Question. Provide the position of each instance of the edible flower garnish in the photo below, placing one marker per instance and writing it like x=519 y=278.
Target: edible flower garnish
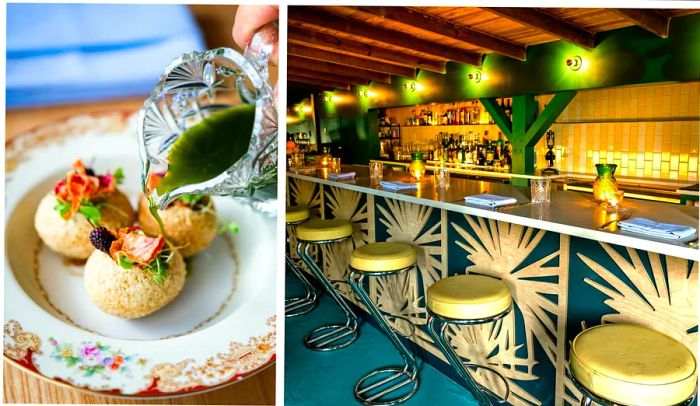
x=81 y=189
x=134 y=249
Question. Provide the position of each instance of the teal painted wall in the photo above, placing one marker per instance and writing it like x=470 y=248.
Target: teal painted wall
x=621 y=57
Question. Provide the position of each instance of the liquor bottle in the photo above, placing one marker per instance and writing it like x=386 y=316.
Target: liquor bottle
x=508 y=155
x=509 y=110
x=476 y=113
x=445 y=118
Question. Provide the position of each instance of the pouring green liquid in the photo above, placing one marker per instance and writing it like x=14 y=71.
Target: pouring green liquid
x=205 y=150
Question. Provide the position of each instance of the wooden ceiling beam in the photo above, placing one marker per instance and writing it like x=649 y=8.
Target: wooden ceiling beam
x=361 y=29
x=353 y=61
x=317 y=83
x=333 y=77
x=322 y=67
x=546 y=23
x=333 y=43
x=437 y=25
x=649 y=20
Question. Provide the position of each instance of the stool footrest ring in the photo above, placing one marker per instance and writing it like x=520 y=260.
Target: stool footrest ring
x=388 y=381
x=330 y=337
x=296 y=306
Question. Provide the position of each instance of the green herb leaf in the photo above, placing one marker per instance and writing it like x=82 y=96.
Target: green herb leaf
x=158 y=268
x=91 y=212
x=62 y=207
x=125 y=262
x=118 y=176
x=208 y=148
x=232 y=227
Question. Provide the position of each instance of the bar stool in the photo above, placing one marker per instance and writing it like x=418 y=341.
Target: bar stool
x=296 y=306
x=320 y=232
x=467 y=300
x=629 y=364
x=374 y=260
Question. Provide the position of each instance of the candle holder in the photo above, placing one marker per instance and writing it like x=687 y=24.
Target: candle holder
x=376 y=170
x=605 y=184
x=417 y=166
x=442 y=177
x=540 y=190
x=612 y=201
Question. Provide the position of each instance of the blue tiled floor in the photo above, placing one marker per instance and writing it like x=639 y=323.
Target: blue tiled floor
x=328 y=378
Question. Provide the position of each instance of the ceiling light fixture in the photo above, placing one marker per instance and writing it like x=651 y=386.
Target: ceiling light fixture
x=574 y=63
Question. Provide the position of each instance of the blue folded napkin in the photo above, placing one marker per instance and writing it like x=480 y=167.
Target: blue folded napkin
x=398 y=185
x=340 y=176
x=645 y=226
x=490 y=200
x=59 y=53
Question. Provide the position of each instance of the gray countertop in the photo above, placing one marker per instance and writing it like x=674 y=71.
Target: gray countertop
x=570 y=213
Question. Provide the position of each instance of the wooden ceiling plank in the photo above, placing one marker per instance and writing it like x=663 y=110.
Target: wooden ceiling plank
x=546 y=23
x=395 y=38
x=318 y=39
x=323 y=67
x=317 y=82
x=443 y=27
x=342 y=59
x=647 y=19
x=334 y=77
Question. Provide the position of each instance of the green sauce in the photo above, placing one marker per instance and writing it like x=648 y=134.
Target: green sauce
x=209 y=148
x=153 y=208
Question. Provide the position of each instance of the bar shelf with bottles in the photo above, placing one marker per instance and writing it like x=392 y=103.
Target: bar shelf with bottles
x=460 y=133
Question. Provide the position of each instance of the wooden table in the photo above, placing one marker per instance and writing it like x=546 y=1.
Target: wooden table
x=20 y=387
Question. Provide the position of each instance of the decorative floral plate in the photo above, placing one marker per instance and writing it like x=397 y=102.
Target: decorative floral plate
x=220 y=329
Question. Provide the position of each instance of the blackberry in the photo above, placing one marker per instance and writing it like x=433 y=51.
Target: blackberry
x=101 y=238
x=89 y=172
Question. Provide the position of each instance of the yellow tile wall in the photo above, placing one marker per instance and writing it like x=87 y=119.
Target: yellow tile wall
x=648 y=131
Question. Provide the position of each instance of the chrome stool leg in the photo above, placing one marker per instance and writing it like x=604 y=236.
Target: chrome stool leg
x=296 y=306
x=390 y=379
x=481 y=394
x=331 y=336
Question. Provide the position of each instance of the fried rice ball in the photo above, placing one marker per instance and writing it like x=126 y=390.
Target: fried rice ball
x=71 y=238
x=130 y=293
x=191 y=231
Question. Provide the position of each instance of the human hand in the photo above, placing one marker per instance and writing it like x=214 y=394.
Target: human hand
x=249 y=19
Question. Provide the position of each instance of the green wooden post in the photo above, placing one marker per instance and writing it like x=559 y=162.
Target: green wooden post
x=524 y=114
x=527 y=128
x=499 y=116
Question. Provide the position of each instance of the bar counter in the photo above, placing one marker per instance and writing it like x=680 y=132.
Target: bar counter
x=564 y=274
x=571 y=213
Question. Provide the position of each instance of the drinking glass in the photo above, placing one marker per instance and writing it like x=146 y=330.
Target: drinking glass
x=442 y=177
x=540 y=190
x=334 y=165
x=297 y=159
x=197 y=85
x=376 y=170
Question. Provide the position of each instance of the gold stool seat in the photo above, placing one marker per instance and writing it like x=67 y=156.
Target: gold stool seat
x=633 y=365
x=468 y=297
x=324 y=230
x=383 y=257
x=295 y=214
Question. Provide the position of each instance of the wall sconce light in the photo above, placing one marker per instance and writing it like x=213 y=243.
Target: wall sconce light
x=297 y=108
x=410 y=86
x=364 y=93
x=326 y=98
x=574 y=63
x=475 y=76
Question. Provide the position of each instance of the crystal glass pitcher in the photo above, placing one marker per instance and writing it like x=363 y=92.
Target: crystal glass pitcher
x=192 y=88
